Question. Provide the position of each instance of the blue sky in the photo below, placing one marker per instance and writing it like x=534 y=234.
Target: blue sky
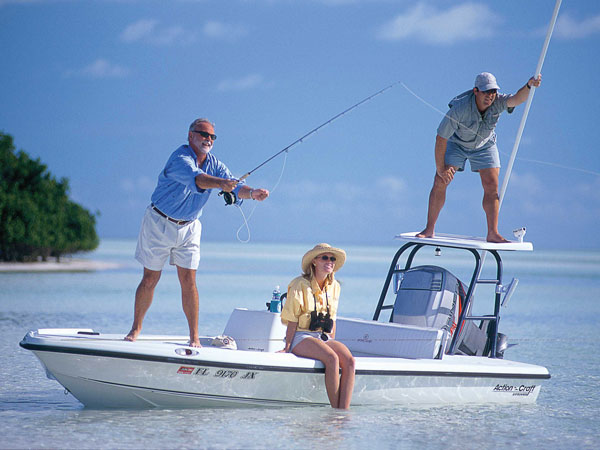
x=104 y=90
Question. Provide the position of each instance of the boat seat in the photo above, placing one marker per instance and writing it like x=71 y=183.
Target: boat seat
x=473 y=340
x=259 y=331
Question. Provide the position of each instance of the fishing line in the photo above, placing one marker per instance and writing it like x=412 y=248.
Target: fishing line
x=230 y=198
x=429 y=104
x=560 y=166
x=246 y=220
x=314 y=130
x=237 y=235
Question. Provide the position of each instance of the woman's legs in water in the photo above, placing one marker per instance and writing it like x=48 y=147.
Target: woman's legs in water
x=347 y=379
x=333 y=355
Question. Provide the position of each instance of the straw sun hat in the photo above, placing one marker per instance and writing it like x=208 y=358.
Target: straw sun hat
x=319 y=249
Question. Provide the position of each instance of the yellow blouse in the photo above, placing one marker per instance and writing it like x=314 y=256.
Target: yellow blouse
x=300 y=301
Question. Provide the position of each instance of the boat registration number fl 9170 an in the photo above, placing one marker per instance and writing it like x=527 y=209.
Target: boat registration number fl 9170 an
x=217 y=373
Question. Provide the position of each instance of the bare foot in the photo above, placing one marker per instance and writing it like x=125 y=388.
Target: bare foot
x=195 y=344
x=496 y=237
x=425 y=234
x=132 y=336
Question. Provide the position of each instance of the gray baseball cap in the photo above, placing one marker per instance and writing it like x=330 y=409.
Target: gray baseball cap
x=486 y=81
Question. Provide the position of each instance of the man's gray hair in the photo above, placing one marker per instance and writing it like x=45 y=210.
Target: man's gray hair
x=201 y=120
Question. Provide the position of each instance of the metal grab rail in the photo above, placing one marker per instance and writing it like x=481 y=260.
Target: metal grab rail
x=475 y=279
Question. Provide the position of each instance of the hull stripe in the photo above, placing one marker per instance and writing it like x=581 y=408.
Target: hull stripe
x=196 y=362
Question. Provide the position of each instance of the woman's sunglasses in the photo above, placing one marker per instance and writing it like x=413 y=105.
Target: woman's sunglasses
x=328 y=258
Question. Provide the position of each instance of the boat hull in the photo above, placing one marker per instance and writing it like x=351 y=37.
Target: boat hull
x=107 y=372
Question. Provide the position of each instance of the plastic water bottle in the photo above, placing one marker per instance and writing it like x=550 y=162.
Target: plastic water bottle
x=275 y=305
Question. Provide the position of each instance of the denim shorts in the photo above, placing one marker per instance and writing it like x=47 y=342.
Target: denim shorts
x=160 y=239
x=483 y=158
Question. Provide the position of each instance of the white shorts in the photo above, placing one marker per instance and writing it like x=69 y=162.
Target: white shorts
x=160 y=239
x=301 y=335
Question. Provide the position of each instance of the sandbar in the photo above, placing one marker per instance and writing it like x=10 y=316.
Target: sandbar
x=65 y=265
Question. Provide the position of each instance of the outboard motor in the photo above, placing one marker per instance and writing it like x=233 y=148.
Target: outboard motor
x=501 y=345
x=429 y=296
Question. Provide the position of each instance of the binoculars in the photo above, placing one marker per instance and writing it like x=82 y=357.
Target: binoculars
x=324 y=322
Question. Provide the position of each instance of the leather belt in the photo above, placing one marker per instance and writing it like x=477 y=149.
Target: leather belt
x=170 y=219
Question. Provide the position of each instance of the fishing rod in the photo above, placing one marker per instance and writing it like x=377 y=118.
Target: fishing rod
x=230 y=198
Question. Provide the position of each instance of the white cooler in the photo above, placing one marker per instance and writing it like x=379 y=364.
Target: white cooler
x=370 y=338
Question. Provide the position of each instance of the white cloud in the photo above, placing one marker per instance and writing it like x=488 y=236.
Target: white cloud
x=528 y=182
x=464 y=22
x=219 y=30
x=142 y=184
x=570 y=28
x=386 y=193
x=392 y=185
x=149 y=31
x=134 y=192
x=241 y=84
x=139 y=30
x=540 y=197
x=100 y=68
x=589 y=191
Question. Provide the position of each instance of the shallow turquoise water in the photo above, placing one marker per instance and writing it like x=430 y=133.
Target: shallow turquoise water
x=553 y=317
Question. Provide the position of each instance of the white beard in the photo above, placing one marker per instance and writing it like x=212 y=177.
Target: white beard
x=204 y=149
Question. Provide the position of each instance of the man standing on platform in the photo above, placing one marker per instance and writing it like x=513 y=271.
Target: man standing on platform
x=171 y=227
x=468 y=132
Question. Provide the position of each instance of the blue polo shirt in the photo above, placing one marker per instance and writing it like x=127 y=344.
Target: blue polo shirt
x=176 y=193
x=464 y=125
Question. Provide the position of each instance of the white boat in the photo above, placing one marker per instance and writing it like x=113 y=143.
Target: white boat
x=432 y=351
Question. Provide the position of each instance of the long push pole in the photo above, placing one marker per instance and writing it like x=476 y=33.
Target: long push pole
x=538 y=71
x=513 y=155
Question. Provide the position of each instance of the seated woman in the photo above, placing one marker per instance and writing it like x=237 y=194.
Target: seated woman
x=310 y=311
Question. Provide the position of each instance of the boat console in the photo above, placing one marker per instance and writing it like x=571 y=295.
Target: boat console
x=432 y=296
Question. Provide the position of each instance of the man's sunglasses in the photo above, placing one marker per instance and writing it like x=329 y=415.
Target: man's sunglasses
x=328 y=258
x=213 y=137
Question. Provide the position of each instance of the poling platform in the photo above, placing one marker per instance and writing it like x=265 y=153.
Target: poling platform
x=458 y=241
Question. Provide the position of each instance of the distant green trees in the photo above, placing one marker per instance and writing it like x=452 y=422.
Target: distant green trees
x=37 y=219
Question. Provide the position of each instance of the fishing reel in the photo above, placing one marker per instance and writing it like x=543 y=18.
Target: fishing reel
x=229 y=197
